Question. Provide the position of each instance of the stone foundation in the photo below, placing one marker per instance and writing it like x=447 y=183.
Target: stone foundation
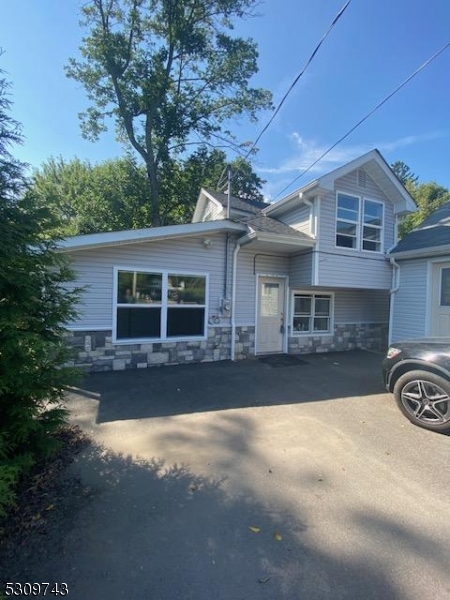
x=371 y=336
x=95 y=351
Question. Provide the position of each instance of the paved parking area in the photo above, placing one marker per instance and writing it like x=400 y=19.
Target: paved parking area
x=242 y=481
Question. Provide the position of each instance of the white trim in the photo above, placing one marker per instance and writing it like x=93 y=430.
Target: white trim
x=423 y=252
x=139 y=236
x=362 y=199
x=286 y=289
x=331 y=317
x=401 y=199
x=316 y=251
x=357 y=222
x=93 y=329
x=163 y=305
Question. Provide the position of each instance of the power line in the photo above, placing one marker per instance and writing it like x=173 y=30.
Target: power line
x=294 y=83
x=369 y=114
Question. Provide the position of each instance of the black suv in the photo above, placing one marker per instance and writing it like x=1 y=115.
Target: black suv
x=418 y=374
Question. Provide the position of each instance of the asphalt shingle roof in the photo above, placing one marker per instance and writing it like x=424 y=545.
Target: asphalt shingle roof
x=270 y=225
x=433 y=232
x=253 y=206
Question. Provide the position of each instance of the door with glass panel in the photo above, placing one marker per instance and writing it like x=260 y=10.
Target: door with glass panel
x=440 y=300
x=270 y=322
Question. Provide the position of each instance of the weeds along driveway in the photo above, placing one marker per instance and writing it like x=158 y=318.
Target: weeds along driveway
x=244 y=481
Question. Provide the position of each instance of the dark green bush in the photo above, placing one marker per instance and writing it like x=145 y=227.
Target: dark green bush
x=36 y=300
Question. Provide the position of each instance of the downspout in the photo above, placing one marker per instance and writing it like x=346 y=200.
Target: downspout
x=233 y=303
x=392 y=292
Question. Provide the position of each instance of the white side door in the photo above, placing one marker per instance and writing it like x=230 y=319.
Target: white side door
x=440 y=300
x=270 y=318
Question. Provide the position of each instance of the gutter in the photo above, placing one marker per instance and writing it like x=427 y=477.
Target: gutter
x=394 y=289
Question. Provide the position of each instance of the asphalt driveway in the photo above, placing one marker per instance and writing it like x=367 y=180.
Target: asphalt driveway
x=238 y=481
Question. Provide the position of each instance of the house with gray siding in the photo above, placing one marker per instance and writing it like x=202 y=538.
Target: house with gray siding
x=420 y=305
x=310 y=273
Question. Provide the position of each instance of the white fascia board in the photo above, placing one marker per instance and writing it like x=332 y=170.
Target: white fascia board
x=138 y=236
x=289 y=201
x=421 y=252
x=275 y=238
x=203 y=197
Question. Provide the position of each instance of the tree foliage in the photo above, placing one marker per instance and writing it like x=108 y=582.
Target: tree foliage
x=114 y=195
x=429 y=197
x=169 y=74
x=404 y=173
x=33 y=306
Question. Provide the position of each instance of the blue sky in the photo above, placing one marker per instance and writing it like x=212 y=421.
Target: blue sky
x=375 y=46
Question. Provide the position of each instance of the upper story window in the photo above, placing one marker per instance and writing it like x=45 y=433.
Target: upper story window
x=359 y=223
x=159 y=305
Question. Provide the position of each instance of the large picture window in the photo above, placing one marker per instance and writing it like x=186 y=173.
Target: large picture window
x=312 y=313
x=153 y=305
x=359 y=223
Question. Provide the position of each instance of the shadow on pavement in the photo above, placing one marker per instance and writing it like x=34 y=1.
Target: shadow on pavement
x=184 y=389
x=159 y=531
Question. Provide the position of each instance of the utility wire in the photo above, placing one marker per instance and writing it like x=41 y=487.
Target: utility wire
x=291 y=87
x=369 y=114
x=294 y=83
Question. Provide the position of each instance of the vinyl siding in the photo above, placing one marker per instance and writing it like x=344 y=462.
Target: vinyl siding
x=410 y=301
x=300 y=269
x=299 y=219
x=216 y=212
x=351 y=268
x=94 y=270
x=361 y=306
x=250 y=264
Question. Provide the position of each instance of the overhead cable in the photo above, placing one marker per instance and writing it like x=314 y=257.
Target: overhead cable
x=369 y=114
x=294 y=83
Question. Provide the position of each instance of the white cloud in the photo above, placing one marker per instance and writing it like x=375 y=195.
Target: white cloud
x=307 y=152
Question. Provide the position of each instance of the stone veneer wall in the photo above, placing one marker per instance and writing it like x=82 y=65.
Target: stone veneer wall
x=369 y=336
x=95 y=350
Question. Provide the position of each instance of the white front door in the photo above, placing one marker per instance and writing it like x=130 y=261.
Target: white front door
x=440 y=300
x=270 y=318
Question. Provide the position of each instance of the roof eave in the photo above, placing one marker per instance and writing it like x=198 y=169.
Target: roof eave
x=421 y=252
x=120 y=238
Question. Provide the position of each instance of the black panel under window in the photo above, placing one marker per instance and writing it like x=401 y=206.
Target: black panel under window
x=138 y=323
x=185 y=322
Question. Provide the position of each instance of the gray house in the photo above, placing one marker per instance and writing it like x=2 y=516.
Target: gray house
x=420 y=304
x=309 y=273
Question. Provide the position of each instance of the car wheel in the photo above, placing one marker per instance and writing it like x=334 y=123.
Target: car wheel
x=424 y=399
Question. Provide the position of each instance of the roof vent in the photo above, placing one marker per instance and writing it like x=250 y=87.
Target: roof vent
x=362 y=178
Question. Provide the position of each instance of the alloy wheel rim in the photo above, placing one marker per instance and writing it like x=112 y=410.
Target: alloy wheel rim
x=426 y=402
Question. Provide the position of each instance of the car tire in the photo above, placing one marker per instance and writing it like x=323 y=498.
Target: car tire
x=424 y=399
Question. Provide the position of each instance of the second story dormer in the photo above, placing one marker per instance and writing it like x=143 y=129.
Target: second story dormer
x=352 y=213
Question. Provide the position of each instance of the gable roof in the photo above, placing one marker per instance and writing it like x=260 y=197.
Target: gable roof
x=244 y=206
x=375 y=166
x=430 y=237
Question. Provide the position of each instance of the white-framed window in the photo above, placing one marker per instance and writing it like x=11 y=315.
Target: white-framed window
x=312 y=313
x=159 y=305
x=359 y=223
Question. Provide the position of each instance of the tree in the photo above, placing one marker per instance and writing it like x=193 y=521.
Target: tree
x=89 y=198
x=169 y=74
x=33 y=306
x=404 y=173
x=429 y=197
x=114 y=195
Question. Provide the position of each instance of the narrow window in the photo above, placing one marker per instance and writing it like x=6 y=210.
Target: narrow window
x=372 y=226
x=347 y=221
